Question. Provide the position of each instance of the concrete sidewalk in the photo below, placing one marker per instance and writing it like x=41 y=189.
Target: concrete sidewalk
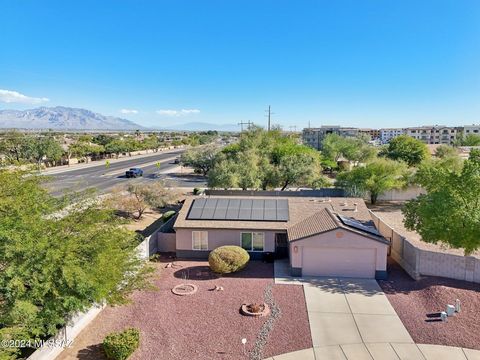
x=382 y=351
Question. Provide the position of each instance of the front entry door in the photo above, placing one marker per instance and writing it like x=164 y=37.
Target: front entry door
x=281 y=246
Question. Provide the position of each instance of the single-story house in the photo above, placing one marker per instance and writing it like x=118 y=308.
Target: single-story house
x=319 y=236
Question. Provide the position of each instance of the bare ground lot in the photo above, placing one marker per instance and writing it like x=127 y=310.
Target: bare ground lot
x=418 y=302
x=206 y=325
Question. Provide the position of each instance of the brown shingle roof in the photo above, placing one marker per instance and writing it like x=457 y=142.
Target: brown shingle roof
x=318 y=223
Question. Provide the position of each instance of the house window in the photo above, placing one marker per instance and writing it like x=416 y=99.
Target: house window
x=252 y=241
x=200 y=240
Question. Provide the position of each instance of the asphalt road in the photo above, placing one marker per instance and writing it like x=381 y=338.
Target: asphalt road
x=103 y=179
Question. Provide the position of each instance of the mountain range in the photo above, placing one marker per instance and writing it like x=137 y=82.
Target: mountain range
x=63 y=118
x=66 y=118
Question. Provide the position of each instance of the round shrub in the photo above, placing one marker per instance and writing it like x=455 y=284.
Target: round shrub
x=120 y=345
x=168 y=215
x=228 y=259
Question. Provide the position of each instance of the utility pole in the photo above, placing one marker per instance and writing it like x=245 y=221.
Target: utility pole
x=269 y=115
x=248 y=123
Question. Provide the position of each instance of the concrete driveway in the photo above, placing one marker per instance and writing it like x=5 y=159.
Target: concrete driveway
x=352 y=319
x=351 y=311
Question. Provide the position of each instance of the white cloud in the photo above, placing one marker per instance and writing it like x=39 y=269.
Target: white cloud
x=9 y=96
x=129 y=111
x=183 y=112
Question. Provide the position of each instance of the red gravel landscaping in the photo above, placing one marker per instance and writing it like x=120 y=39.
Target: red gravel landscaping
x=414 y=301
x=205 y=325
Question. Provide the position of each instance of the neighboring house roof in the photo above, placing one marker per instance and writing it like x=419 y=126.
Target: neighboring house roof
x=325 y=220
x=299 y=208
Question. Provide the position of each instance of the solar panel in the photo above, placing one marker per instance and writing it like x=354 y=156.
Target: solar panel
x=245 y=212
x=239 y=209
x=221 y=209
x=257 y=209
x=358 y=225
x=209 y=209
x=233 y=209
x=282 y=210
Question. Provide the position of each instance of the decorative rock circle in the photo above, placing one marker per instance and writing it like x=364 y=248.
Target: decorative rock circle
x=185 y=289
x=265 y=310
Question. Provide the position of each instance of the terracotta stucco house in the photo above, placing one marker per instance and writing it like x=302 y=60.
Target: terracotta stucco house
x=320 y=236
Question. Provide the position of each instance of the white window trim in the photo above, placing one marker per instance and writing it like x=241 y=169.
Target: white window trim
x=253 y=232
x=193 y=242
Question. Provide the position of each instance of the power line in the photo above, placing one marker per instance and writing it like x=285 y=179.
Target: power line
x=248 y=123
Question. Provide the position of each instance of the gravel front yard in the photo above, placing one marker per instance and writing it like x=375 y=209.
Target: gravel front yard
x=205 y=325
x=415 y=301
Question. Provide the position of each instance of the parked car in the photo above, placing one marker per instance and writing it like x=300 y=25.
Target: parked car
x=134 y=172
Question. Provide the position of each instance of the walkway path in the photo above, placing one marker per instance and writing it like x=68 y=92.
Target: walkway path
x=353 y=319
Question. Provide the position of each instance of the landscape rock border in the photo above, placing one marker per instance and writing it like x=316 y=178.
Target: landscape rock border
x=244 y=310
x=176 y=289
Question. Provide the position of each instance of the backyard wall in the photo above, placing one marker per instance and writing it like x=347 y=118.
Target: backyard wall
x=417 y=262
x=401 y=194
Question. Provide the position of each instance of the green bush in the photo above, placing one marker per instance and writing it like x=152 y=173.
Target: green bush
x=228 y=259
x=196 y=191
x=120 y=345
x=168 y=215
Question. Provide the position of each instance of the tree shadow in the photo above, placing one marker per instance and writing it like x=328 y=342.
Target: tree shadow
x=92 y=352
x=196 y=273
x=400 y=282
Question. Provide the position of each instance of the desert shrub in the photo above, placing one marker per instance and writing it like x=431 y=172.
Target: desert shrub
x=168 y=215
x=228 y=259
x=120 y=345
x=196 y=191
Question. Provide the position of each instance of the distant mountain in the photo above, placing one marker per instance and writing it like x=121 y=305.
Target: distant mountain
x=63 y=118
x=200 y=126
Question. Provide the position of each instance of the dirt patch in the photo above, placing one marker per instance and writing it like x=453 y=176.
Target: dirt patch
x=206 y=325
x=417 y=302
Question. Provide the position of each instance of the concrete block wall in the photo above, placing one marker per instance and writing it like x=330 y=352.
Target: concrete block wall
x=67 y=334
x=417 y=262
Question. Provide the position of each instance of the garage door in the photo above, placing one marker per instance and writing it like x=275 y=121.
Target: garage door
x=339 y=262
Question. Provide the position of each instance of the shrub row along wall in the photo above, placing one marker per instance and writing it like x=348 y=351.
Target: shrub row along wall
x=417 y=262
x=67 y=334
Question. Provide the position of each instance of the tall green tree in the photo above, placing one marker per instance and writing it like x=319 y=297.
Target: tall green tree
x=202 y=159
x=44 y=148
x=449 y=212
x=407 y=149
x=374 y=179
x=54 y=265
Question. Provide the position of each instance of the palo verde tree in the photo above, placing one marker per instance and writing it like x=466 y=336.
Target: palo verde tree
x=52 y=265
x=449 y=212
x=374 y=178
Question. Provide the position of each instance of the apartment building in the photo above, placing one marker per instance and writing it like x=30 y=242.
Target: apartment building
x=471 y=129
x=388 y=134
x=314 y=136
x=435 y=134
x=373 y=133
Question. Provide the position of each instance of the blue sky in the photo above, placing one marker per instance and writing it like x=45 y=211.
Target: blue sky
x=365 y=63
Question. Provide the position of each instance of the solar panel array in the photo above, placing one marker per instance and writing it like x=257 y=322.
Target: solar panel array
x=358 y=225
x=239 y=209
